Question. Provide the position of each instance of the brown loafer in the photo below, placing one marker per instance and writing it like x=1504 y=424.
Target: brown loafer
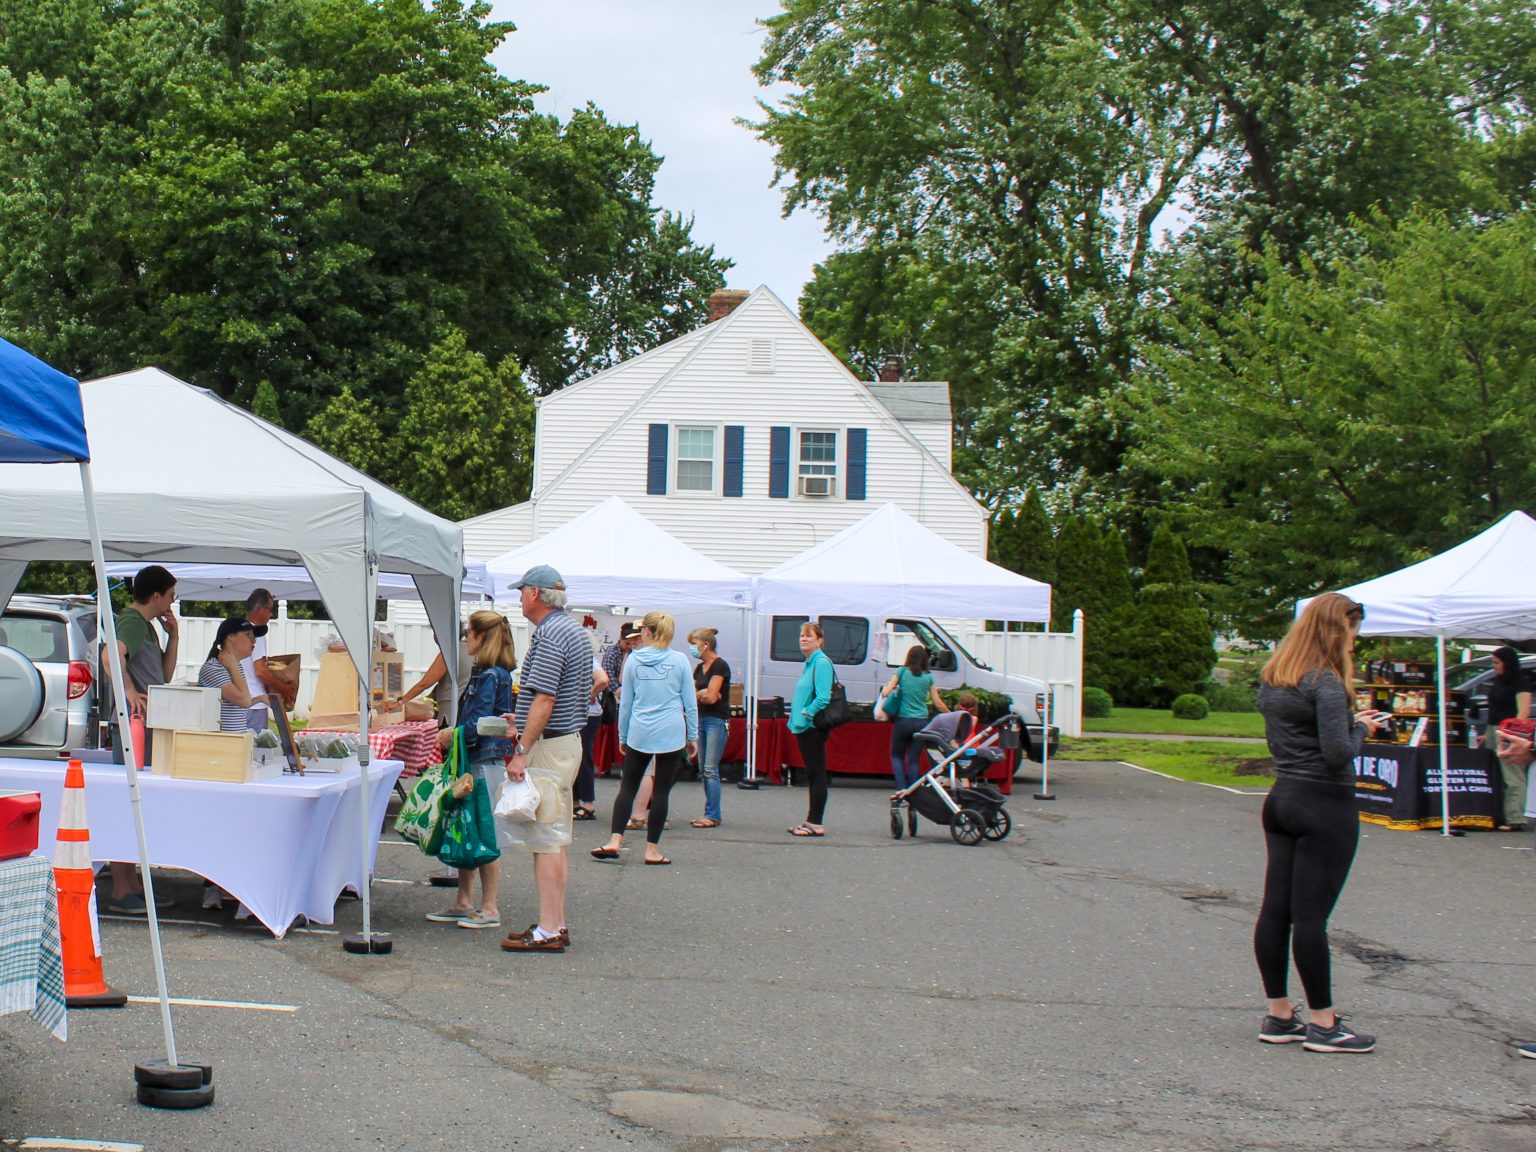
x=528 y=944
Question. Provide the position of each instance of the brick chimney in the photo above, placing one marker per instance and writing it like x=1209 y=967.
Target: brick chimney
x=723 y=303
x=891 y=369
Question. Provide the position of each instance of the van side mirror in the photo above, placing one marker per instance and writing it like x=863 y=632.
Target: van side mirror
x=944 y=660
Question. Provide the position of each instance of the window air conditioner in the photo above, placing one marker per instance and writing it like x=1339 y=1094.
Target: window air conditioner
x=815 y=485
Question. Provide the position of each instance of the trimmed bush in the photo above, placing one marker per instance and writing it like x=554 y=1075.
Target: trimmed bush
x=1191 y=707
x=1097 y=703
x=1233 y=696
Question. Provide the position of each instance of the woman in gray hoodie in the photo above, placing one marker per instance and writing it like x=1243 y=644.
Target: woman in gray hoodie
x=658 y=717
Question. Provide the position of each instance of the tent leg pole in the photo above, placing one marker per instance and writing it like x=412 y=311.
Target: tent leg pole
x=1445 y=745
x=1045 y=725
x=368 y=942
x=749 y=781
x=108 y=629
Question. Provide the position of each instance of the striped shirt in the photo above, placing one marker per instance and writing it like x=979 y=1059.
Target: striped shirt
x=232 y=717
x=558 y=663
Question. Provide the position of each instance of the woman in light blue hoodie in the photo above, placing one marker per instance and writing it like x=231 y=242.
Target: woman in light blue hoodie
x=658 y=716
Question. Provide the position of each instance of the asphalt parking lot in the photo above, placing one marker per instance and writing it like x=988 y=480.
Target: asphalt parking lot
x=1086 y=984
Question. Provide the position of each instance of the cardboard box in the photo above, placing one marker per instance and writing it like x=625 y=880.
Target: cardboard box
x=182 y=706
x=225 y=756
x=336 y=685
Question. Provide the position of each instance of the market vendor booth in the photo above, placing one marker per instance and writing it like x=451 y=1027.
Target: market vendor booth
x=1470 y=592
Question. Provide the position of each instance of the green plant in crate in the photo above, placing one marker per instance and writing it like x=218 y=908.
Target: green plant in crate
x=989 y=705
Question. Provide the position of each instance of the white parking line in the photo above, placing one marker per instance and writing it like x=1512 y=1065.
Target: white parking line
x=1218 y=787
x=63 y=1143
x=250 y=1006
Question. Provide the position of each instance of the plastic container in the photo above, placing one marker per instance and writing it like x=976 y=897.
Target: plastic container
x=19 y=812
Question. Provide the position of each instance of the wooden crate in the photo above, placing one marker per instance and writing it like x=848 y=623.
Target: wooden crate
x=182 y=706
x=226 y=756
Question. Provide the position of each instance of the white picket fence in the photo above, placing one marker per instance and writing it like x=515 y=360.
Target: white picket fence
x=1057 y=656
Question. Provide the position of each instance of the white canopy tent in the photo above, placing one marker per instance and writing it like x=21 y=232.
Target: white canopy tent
x=173 y=467
x=1480 y=589
x=889 y=564
x=613 y=555
x=237 y=581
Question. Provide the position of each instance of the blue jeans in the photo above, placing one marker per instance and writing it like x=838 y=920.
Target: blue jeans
x=906 y=757
x=712 y=731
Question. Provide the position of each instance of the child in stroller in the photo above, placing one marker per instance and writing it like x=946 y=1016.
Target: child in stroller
x=950 y=792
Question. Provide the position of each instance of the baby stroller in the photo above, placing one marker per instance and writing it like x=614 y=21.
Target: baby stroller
x=973 y=814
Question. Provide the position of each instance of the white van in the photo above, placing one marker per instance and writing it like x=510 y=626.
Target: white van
x=866 y=652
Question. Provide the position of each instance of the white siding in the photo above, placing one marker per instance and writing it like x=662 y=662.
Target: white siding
x=711 y=381
x=937 y=437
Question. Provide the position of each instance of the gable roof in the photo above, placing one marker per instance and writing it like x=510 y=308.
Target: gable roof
x=694 y=343
x=919 y=401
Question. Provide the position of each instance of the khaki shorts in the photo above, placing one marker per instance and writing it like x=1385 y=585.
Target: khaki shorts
x=556 y=760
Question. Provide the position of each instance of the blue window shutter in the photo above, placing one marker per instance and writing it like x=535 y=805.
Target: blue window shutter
x=858 y=449
x=656 y=462
x=735 y=453
x=778 y=463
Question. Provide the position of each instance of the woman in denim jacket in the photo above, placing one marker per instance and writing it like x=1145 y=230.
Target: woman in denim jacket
x=488 y=693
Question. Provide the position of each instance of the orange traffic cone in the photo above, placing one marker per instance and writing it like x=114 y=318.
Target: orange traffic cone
x=84 y=985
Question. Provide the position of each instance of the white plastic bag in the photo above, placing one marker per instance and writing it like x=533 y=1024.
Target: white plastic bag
x=518 y=802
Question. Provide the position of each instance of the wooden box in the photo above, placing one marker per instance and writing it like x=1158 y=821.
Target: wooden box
x=226 y=756
x=182 y=706
x=336 y=683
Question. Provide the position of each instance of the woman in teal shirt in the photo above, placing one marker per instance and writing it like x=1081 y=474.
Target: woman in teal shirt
x=904 y=702
x=813 y=691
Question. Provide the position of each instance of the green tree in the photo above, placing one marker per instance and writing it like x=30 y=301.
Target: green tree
x=472 y=429
x=1079 y=575
x=264 y=404
x=1172 y=634
x=1346 y=421
x=349 y=428
x=310 y=192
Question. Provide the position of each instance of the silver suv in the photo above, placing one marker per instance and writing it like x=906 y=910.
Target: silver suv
x=48 y=676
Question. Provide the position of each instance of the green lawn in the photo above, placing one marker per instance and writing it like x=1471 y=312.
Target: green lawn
x=1162 y=721
x=1198 y=761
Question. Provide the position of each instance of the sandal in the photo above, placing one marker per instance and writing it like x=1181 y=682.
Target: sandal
x=806 y=830
x=705 y=822
x=605 y=853
x=659 y=861
x=584 y=814
x=635 y=824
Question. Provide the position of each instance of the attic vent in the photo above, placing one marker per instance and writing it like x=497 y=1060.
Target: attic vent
x=760 y=356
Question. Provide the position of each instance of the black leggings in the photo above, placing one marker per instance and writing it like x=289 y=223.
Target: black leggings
x=813 y=750
x=635 y=764
x=1311 y=830
x=585 y=791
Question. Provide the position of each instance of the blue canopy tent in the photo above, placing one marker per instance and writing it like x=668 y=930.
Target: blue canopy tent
x=42 y=421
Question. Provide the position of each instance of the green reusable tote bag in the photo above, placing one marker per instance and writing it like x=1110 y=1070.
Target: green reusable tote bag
x=422 y=815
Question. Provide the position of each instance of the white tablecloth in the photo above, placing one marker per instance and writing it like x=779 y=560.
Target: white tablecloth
x=285 y=847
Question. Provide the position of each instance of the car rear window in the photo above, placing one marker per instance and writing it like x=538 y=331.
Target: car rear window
x=41 y=639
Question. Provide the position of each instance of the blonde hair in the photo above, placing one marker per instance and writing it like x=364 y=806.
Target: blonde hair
x=495 y=634
x=704 y=636
x=661 y=626
x=1322 y=638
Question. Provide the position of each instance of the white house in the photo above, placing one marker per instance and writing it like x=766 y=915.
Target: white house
x=746 y=439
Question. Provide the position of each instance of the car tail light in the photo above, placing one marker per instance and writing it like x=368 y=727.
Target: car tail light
x=79 y=679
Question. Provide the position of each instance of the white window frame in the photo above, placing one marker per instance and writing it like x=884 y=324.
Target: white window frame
x=839 y=438
x=716 y=460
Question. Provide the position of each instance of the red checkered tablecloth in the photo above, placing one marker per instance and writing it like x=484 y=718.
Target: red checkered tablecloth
x=413 y=743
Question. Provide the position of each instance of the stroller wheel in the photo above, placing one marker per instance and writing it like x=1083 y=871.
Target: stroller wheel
x=911 y=821
x=895 y=823
x=967 y=827
x=999 y=826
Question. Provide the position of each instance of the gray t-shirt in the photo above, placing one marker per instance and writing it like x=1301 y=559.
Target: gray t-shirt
x=145 y=666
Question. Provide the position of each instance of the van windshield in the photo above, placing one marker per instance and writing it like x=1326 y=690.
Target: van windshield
x=930 y=635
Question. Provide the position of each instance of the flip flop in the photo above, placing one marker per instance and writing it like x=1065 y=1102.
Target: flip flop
x=584 y=814
x=636 y=825
x=605 y=853
x=805 y=830
x=660 y=862
x=705 y=823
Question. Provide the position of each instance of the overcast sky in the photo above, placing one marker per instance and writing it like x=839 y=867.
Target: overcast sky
x=681 y=70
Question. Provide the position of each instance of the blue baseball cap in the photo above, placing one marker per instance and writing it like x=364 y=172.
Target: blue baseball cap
x=542 y=576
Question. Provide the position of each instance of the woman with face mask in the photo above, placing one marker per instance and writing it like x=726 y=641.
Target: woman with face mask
x=712 y=686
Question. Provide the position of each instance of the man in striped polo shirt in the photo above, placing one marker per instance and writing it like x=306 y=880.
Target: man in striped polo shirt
x=554 y=686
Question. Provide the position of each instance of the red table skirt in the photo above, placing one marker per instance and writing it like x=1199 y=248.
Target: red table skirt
x=860 y=747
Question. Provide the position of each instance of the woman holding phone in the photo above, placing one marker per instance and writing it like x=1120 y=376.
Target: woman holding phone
x=1310 y=825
